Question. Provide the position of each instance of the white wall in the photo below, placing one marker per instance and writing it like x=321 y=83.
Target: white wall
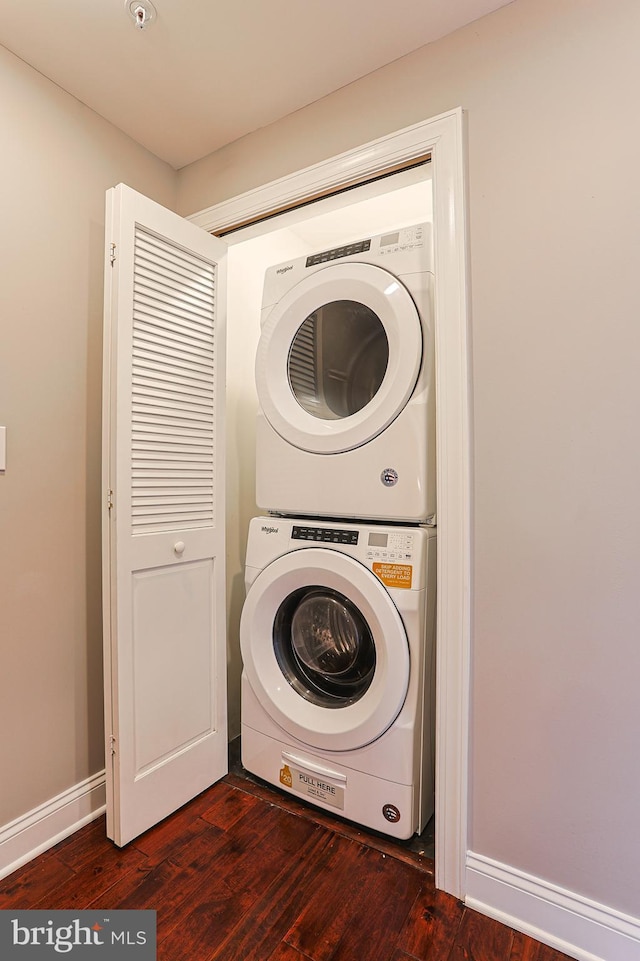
x=247 y=263
x=550 y=92
x=56 y=161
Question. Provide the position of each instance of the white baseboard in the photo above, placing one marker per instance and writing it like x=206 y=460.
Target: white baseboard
x=38 y=830
x=568 y=922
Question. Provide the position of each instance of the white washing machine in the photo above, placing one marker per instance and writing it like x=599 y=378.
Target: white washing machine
x=345 y=381
x=337 y=637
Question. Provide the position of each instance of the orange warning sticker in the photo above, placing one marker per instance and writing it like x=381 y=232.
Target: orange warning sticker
x=285 y=776
x=394 y=575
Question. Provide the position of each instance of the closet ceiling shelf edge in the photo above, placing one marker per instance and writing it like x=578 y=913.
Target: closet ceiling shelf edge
x=312 y=198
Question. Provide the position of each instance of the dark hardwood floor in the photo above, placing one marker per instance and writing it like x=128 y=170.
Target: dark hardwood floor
x=244 y=873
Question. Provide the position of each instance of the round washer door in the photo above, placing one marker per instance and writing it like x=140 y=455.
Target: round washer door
x=338 y=358
x=324 y=649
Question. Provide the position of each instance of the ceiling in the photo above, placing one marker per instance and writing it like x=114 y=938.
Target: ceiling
x=205 y=72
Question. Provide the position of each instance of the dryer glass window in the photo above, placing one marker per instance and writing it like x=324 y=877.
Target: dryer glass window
x=324 y=647
x=338 y=359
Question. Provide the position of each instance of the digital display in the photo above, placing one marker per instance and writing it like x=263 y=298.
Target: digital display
x=390 y=239
x=378 y=540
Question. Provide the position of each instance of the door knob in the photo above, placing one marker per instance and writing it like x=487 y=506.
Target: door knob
x=179 y=547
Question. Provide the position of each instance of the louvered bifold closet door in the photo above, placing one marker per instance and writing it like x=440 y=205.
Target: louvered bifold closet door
x=165 y=630
x=173 y=390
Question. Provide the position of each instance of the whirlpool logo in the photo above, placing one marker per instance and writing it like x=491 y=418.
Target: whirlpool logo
x=80 y=934
x=269 y=530
x=283 y=270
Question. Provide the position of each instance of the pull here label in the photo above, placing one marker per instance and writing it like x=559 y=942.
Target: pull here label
x=312 y=786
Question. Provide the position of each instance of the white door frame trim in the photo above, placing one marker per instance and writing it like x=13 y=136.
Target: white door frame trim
x=443 y=138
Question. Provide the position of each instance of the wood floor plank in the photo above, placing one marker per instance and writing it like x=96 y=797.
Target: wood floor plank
x=198 y=934
x=525 y=949
x=141 y=890
x=375 y=925
x=163 y=840
x=431 y=928
x=198 y=847
x=481 y=939
x=333 y=898
x=174 y=880
x=83 y=845
x=283 y=841
x=228 y=805
x=93 y=879
x=310 y=876
x=33 y=882
x=284 y=952
x=235 y=880
x=261 y=930
x=192 y=865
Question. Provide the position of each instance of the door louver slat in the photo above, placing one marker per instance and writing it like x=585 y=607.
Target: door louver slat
x=173 y=279
x=153 y=479
x=173 y=397
x=147 y=327
x=185 y=336
x=155 y=410
x=153 y=426
x=162 y=346
x=175 y=369
x=174 y=260
x=194 y=308
x=197 y=331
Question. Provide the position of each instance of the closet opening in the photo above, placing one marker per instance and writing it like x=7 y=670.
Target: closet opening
x=391 y=200
x=442 y=139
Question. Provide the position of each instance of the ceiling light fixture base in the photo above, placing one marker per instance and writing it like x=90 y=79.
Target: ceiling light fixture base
x=142 y=12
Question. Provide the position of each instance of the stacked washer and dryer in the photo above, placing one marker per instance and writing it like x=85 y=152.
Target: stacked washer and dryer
x=338 y=627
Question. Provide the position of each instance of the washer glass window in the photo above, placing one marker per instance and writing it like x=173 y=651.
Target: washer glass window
x=324 y=647
x=338 y=359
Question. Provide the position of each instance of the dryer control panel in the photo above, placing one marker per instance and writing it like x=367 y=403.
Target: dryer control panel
x=348 y=250
x=409 y=238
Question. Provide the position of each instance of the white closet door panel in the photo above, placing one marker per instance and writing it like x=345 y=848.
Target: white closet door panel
x=173 y=697
x=165 y=631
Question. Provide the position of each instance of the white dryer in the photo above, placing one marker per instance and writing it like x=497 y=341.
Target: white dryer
x=345 y=381
x=337 y=638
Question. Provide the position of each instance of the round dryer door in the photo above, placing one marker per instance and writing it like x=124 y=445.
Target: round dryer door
x=339 y=357
x=325 y=649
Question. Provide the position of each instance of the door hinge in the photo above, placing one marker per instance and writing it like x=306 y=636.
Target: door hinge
x=112 y=744
x=109 y=500
x=112 y=254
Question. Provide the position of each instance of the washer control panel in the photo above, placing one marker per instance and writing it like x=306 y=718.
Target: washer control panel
x=390 y=545
x=325 y=535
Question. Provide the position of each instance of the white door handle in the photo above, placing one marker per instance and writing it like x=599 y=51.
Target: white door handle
x=179 y=547
x=314 y=767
